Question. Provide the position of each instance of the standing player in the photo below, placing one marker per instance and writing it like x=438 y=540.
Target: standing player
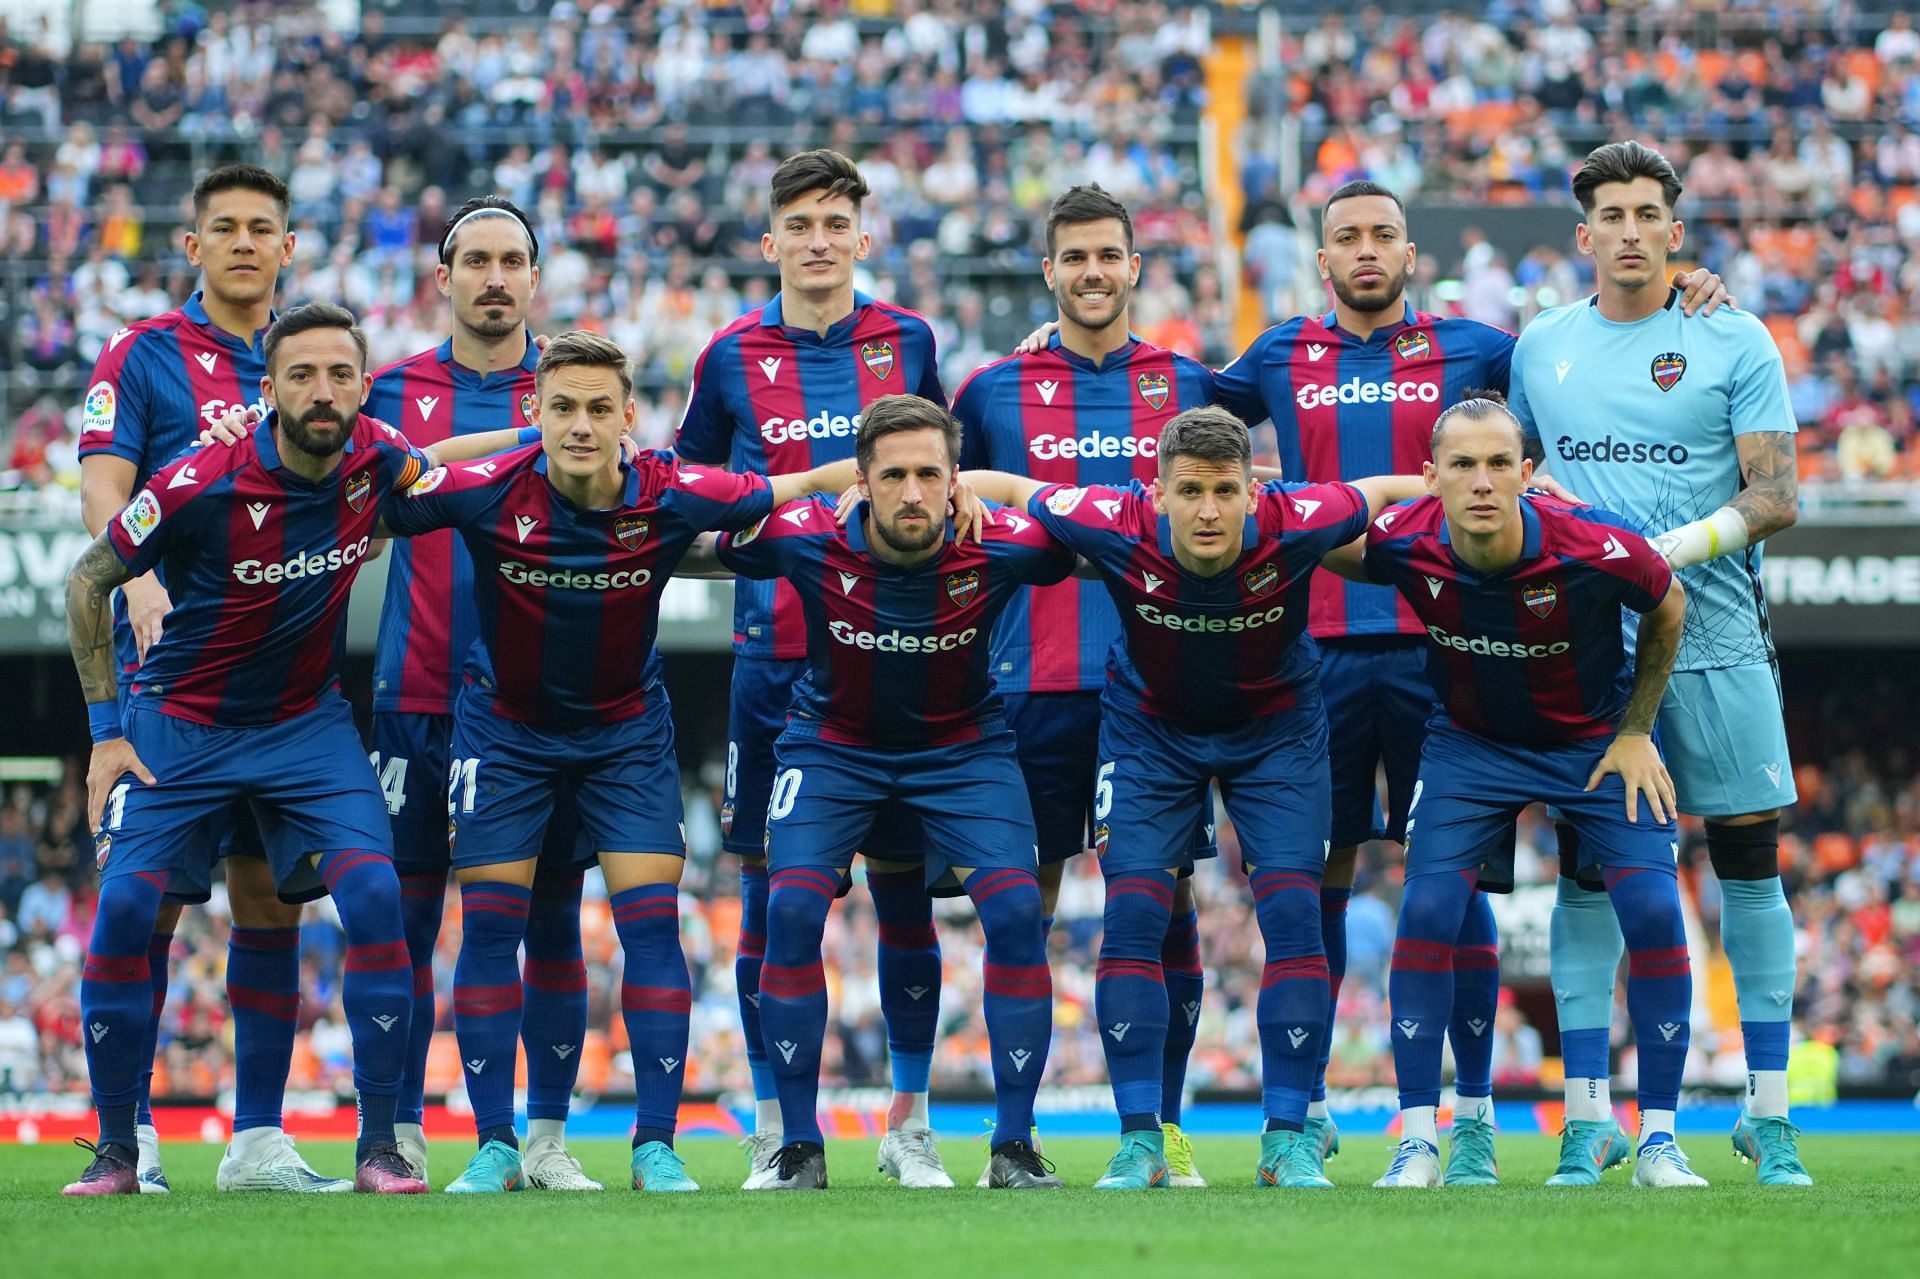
x=1356 y=392
x=1086 y=409
x=781 y=390
x=1522 y=602
x=562 y=688
x=1214 y=682
x=157 y=383
x=480 y=379
x=897 y=706
x=1687 y=432
x=239 y=700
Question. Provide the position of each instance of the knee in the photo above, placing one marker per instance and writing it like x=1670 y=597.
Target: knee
x=126 y=911
x=796 y=917
x=1429 y=911
x=1138 y=910
x=1014 y=923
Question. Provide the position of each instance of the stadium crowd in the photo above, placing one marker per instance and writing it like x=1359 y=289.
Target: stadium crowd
x=643 y=135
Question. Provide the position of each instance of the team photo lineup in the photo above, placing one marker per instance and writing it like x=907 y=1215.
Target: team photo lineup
x=1386 y=576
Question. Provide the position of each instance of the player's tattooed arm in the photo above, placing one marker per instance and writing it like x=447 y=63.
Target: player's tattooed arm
x=1769 y=496
x=90 y=587
x=1632 y=753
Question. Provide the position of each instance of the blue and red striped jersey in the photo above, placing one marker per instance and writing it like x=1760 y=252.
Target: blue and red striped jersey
x=1345 y=407
x=157 y=383
x=259 y=561
x=1058 y=417
x=567 y=601
x=780 y=400
x=1206 y=652
x=427 y=623
x=897 y=656
x=1535 y=652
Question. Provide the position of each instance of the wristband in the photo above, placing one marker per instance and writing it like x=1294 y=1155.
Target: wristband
x=103 y=721
x=1722 y=533
x=529 y=435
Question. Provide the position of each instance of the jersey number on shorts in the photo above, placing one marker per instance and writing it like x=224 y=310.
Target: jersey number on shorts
x=117 y=805
x=463 y=781
x=393 y=781
x=1412 y=804
x=733 y=770
x=786 y=789
x=1103 y=792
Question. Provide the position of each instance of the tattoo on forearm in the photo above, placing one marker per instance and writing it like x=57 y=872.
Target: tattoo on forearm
x=90 y=589
x=1769 y=498
x=1652 y=666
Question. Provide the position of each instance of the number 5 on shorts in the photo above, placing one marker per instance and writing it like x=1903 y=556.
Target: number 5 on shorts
x=1103 y=792
x=786 y=789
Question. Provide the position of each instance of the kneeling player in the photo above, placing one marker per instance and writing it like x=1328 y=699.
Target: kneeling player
x=897 y=707
x=1214 y=682
x=1521 y=599
x=572 y=548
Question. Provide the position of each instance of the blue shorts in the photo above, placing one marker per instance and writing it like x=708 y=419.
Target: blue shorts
x=1725 y=741
x=302 y=778
x=235 y=835
x=506 y=777
x=969 y=795
x=412 y=757
x=761 y=692
x=1153 y=774
x=1058 y=739
x=1472 y=788
x=1378 y=701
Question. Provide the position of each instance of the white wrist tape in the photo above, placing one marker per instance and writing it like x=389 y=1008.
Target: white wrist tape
x=1722 y=533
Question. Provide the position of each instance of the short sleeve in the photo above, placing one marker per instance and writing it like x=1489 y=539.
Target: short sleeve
x=929 y=387
x=769 y=548
x=970 y=406
x=114 y=415
x=1645 y=572
x=1517 y=390
x=1497 y=356
x=1236 y=388
x=1758 y=400
x=710 y=498
x=706 y=429
x=148 y=526
x=1085 y=520
x=1322 y=516
x=423 y=507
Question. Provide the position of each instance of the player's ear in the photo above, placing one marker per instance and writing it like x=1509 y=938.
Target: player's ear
x=266 y=392
x=1677 y=236
x=1583 y=239
x=1159 y=497
x=768 y=251
x=1526 y=471
x=1046 y=271
x=366 y=386
x=862 y=247
x=192 y=240
x=443 y=279
x=286 y=249
x=1133 y=270
x=1432 y=476
x=1320 y=256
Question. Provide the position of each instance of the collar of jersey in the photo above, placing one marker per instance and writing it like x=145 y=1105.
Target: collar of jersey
x=770 y=318
x=195 y=310
x=629 y=487
x=1249 y=539
x=268 y=449
x=1530 y=538
x=1593 y=309
x=444 y=353
x=1331 y=323
x=1115 y=359
x=856 y=535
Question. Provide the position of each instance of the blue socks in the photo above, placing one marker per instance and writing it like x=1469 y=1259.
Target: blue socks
x=377 y=987
x=423 y=900
x=909 y=973
x=553 y=1015
x=1420 y=988
x=1659 y=981
x=1476 y=998
x=116 y=999
x=1130 y=994
x=487 y=1000
x=159 y=958
x=750 y=954
x=1019 y=993
x=1186 y=984
x=263 y=988
x=1294 y=992
x=1756 y=928
x=1333 y=936
x=793 y=991
x=656 y=998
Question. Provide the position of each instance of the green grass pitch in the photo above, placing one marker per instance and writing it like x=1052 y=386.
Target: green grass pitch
x=1861 y=1220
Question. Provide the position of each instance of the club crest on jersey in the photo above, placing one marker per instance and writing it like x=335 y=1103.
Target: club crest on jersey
x=1540 y=599
x=359 y=487
x=526 y=407
x=962 y=587
x=1262 y=580
x=878 y=357
x=630 y=531
x=1154 y=389
x=102 y=849
x=1413 y=345
x=1668 y=369
x=1100 y=837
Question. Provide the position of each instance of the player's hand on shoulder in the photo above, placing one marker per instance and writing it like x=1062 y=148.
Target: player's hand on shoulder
x=1554 y=488
x=147 y=607
x=843 y=508
x=111 y=760
x=1702 y=292
x=969 y=513
x=231 y=427
x=1038 y=339
x=1637 y=760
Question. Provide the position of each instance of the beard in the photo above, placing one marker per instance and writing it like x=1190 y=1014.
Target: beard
x=1122 y=293
x=904 y=542
x=1396 y=286
x=300 y=435
x=495 y=319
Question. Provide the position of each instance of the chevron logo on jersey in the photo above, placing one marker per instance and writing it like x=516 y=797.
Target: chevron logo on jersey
x=1668 y=369
x=962 y=587
x=1540 y=599
x=1413 y=345
x=1154 y=389
x=1262 y=580
x=630 y=531
x=358 y=488
x=878 y=357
